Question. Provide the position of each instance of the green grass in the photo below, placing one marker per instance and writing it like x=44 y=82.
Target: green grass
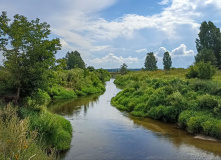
x=17 y=140
x=168 y=96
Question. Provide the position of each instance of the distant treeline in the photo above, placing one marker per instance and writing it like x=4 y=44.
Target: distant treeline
x=118 y=69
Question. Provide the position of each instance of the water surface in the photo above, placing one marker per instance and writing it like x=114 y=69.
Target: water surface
x=101 y=132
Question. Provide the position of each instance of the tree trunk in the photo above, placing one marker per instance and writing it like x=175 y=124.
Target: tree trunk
x=17 y=95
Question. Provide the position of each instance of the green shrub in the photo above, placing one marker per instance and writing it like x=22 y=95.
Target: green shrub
x=201 y=70
x=207 y=102
x=207 y=126
x=194 y=124
x=193 y=72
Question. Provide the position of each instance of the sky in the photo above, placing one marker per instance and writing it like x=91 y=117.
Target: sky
x=108 y=33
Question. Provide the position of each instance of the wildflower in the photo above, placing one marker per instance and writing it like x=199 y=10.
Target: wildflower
x=25 y=146
x=16 y=157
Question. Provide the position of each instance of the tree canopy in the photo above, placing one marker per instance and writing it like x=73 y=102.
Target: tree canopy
x=74 y=60
x=167 y=62
x=123 y=69
x=209 y=38
x=28 y=52
x=150 y=62
x=207 y=55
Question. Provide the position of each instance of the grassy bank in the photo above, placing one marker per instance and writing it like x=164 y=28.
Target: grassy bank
x=51 y=132
x=16 y=139
x=168 y=96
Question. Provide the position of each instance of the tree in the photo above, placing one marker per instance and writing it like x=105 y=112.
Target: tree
x=91 y=68
x=123 y=69
x=150 y=62
x=29 y=54
x=167 y=62
x=74 y=60
x=209 y=38
x=207 y=55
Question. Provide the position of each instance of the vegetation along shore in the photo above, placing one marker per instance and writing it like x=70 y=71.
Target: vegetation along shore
x=30 y=78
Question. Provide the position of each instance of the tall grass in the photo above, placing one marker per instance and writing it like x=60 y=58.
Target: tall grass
x=16 y=140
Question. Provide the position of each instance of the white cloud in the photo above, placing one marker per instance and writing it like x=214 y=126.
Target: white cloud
x=100 y=48
x=161 y=52
x=164 y=2
x=111 y=58
x=181 y=51
x=141 y=50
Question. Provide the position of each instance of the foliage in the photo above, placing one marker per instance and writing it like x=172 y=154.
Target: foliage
x=201 y=70
x=206 y=55
x=167 y=62
x=54 y=130
x=80 y=83
x=209 y=38
x=123 y=69
x=91 y=68
x=28 y=53
x=74 y=60
x=167 y=96
x=150 y=62
x=103 y=75
x=17 y=141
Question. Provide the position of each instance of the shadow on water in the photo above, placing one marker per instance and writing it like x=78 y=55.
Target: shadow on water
x=100 y=131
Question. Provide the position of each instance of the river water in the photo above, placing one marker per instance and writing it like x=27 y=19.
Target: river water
x=101 y=132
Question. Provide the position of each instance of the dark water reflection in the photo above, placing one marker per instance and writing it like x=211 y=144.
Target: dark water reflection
x=100 y=131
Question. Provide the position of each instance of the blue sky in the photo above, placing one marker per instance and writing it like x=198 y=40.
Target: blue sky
x=109 y=33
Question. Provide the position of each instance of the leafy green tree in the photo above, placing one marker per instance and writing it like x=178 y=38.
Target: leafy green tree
x=150 y=62
x=209 y=38
x=74 y=60
x=207 y=55
x=29 y=54
x=123 y=69
x=167 y=62
x=91 y=68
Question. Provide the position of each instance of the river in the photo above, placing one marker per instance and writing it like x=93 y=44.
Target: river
x=101 y=132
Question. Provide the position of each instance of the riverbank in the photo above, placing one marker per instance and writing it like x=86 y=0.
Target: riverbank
x=167 y=96
x=103 y=132
x=54 y=131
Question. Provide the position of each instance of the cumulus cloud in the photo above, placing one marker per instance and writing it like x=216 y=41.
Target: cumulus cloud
x=141 y=50
x=181 y=51
x=111 y=58
x=113 y=61
x=161 y=52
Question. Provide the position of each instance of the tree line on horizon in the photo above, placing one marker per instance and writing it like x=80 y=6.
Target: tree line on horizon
x=208 y=58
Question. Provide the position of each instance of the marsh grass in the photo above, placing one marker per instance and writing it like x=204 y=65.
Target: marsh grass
x=17 y=142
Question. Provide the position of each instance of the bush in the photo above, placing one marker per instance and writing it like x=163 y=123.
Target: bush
x=194 y=124
x=201 y=70
x=207 y=102
x=58 y=92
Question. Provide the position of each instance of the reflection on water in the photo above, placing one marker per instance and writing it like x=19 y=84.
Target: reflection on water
x=100 y=131
x=71 y=106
